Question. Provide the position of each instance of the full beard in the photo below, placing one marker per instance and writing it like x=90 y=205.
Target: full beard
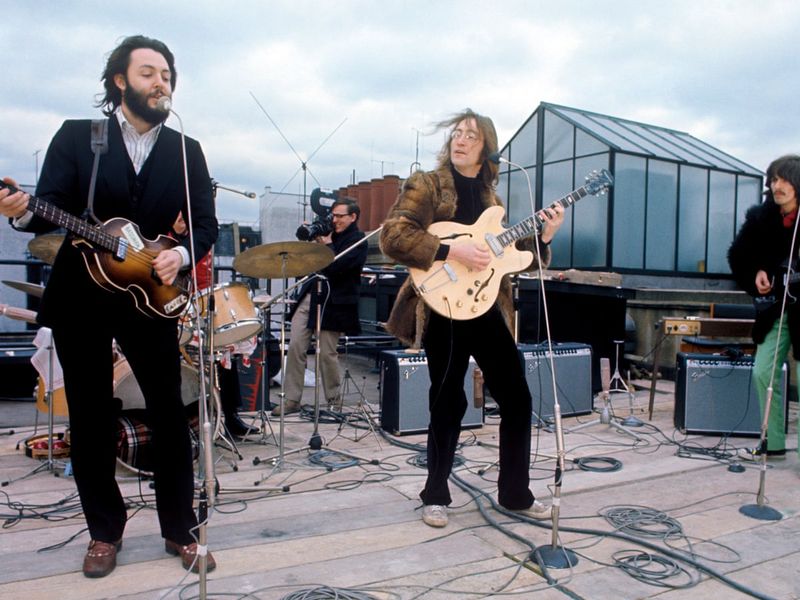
x=137 y=103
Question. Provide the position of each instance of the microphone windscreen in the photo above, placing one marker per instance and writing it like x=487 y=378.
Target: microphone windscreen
x=494 y=157
x=164 y=104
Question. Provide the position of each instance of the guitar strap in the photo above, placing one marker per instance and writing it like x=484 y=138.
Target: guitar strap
x=99 y=145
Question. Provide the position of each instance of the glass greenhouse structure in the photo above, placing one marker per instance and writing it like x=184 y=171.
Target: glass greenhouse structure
x=674 y=209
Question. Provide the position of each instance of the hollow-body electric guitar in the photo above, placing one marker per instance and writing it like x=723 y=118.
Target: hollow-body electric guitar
x=456 y=292
x=119 y=259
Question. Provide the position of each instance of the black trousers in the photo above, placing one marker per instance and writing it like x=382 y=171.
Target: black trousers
x=448 y=345
x=84 y=346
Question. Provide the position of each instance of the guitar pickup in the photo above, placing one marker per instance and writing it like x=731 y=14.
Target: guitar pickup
x=121 y=251
x=494 y=245
x=450 y=273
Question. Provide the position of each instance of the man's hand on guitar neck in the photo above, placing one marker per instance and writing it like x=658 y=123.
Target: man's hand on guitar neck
x=552 y=219
x=13 y=205
x=763 y=282
x=472 y=256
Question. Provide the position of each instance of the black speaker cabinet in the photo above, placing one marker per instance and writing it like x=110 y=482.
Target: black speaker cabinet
x=573 y=367
x=404 y=393
x=717 y=395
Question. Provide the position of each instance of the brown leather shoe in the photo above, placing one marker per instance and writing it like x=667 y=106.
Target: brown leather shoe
x=188 y=556
x=101 y=558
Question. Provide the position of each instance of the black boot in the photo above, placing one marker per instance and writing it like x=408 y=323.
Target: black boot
x=236 y=427
x=231 y=398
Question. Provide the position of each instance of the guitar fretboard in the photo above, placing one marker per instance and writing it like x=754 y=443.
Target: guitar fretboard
x=534 y=223
x=71 y=223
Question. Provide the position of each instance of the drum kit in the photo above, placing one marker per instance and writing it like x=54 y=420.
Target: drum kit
x=228 y=316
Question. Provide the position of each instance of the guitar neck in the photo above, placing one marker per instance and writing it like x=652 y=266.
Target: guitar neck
x=71 y=223
x=534 y=223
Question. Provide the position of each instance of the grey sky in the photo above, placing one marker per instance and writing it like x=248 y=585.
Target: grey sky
x=720 y=70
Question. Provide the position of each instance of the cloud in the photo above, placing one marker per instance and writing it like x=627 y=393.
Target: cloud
x=720 y=70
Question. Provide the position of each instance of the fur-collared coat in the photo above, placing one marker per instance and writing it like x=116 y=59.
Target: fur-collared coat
x=426 y=198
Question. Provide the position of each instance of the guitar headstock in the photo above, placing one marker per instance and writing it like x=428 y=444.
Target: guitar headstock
x=598 y=182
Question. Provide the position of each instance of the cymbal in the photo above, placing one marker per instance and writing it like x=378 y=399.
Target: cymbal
x=283 y=259
x=34 y=289
x=45 y=247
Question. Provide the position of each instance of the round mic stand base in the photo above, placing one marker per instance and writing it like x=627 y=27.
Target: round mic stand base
x=555 y=557
x=760 y=512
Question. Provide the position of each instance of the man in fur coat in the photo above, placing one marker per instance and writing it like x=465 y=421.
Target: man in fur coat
x=459 y=190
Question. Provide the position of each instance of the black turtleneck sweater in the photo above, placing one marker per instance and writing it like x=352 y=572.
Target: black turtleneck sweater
x=468 y=204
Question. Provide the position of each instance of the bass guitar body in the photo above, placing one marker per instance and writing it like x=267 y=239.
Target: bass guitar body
x=133 y=272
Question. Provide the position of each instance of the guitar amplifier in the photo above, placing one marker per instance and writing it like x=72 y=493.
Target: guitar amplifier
x=717 y=395
x=573 y=367
x=404 y=385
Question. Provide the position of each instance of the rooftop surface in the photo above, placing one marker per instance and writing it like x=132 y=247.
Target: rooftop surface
x=347 y=519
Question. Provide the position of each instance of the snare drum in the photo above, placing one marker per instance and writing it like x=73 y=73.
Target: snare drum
x=235 y=316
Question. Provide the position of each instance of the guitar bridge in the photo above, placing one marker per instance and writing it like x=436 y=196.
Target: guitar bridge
x=436 y=280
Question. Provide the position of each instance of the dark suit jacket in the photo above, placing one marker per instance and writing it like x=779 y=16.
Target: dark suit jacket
x=340 y=291
x=64 y=181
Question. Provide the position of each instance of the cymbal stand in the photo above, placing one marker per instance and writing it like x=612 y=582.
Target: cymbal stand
x=605 y=413
x=50 y=464
x=617 y=385
x=278 y=461
x=315 y=442
x=362 y=409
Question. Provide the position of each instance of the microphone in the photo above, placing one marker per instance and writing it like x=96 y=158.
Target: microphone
x=164 y=104
x=497 y=158
x=605 y=379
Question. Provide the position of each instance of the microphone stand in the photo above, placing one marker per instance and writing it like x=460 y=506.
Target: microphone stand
x=554 y=556
x=217 y=184
x=206 y=499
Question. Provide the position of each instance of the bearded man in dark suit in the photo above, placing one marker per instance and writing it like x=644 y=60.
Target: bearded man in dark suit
x=139 y=178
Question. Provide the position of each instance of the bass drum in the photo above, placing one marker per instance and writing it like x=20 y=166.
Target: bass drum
x=134 y=440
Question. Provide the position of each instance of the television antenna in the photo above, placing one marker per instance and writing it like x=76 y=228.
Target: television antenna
x=303 y=163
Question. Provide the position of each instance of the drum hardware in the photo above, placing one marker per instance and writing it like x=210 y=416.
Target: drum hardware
x=271 y=261
x=50 y=463
x=284 y=250
x=45 y=247
x=362 y=409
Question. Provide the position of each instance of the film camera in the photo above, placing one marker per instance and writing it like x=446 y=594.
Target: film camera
x=323 y=221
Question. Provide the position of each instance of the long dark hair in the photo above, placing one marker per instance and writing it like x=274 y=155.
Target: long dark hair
x=786 y=167
x=118 y=62
x=489 y=170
